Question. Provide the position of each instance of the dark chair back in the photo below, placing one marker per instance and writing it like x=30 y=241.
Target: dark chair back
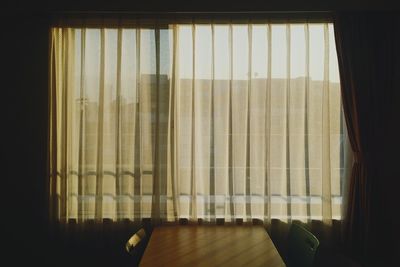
x=135 y=246
x=135 y=240
x=302 y=246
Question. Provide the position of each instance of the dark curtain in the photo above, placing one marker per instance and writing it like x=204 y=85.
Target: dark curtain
x=368 y=48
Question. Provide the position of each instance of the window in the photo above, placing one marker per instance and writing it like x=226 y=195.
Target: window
x=196 y=121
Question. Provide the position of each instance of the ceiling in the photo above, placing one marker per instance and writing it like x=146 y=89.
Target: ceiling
x=50 y=6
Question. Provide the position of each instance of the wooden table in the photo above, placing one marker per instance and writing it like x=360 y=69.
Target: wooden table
x=220 y=245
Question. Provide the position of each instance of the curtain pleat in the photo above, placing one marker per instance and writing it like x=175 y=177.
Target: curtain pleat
x=64 y=142
x=100 y=127
x=81 y=129
x=231 y=153
x=232 y=122
x=193 y=190
x=174 y=129
x=287 y=127
x=212 y=198
x=248 y=199
x=267 y=115
x=118 y=163
x=326 y=168
x=137 y=210
x=53 y=201
x=156 y=203
x=306 y=123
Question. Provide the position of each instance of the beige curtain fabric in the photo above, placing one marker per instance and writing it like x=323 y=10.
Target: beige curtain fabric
x=196 y=121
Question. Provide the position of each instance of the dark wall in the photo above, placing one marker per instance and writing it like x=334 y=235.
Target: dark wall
x=204 y=5
x=385 y=182
x=25 y=81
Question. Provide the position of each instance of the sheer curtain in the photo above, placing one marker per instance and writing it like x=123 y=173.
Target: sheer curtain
x=238 y=122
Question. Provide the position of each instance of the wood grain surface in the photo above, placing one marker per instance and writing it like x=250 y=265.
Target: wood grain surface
x=220 y=245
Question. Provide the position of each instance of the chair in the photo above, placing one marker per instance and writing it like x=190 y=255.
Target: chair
x=302 y=246
x=135 y=247
x=134 y=241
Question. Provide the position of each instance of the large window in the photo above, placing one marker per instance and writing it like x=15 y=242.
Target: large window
x=196 y=121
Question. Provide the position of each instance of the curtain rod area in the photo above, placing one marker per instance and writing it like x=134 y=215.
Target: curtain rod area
x=195 y=12
x=128 y=18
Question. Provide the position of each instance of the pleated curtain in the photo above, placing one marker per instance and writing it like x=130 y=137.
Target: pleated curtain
x=197 y=122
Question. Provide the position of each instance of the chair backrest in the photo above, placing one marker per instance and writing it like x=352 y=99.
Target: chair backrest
x=135 y=240
x=302 y=246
